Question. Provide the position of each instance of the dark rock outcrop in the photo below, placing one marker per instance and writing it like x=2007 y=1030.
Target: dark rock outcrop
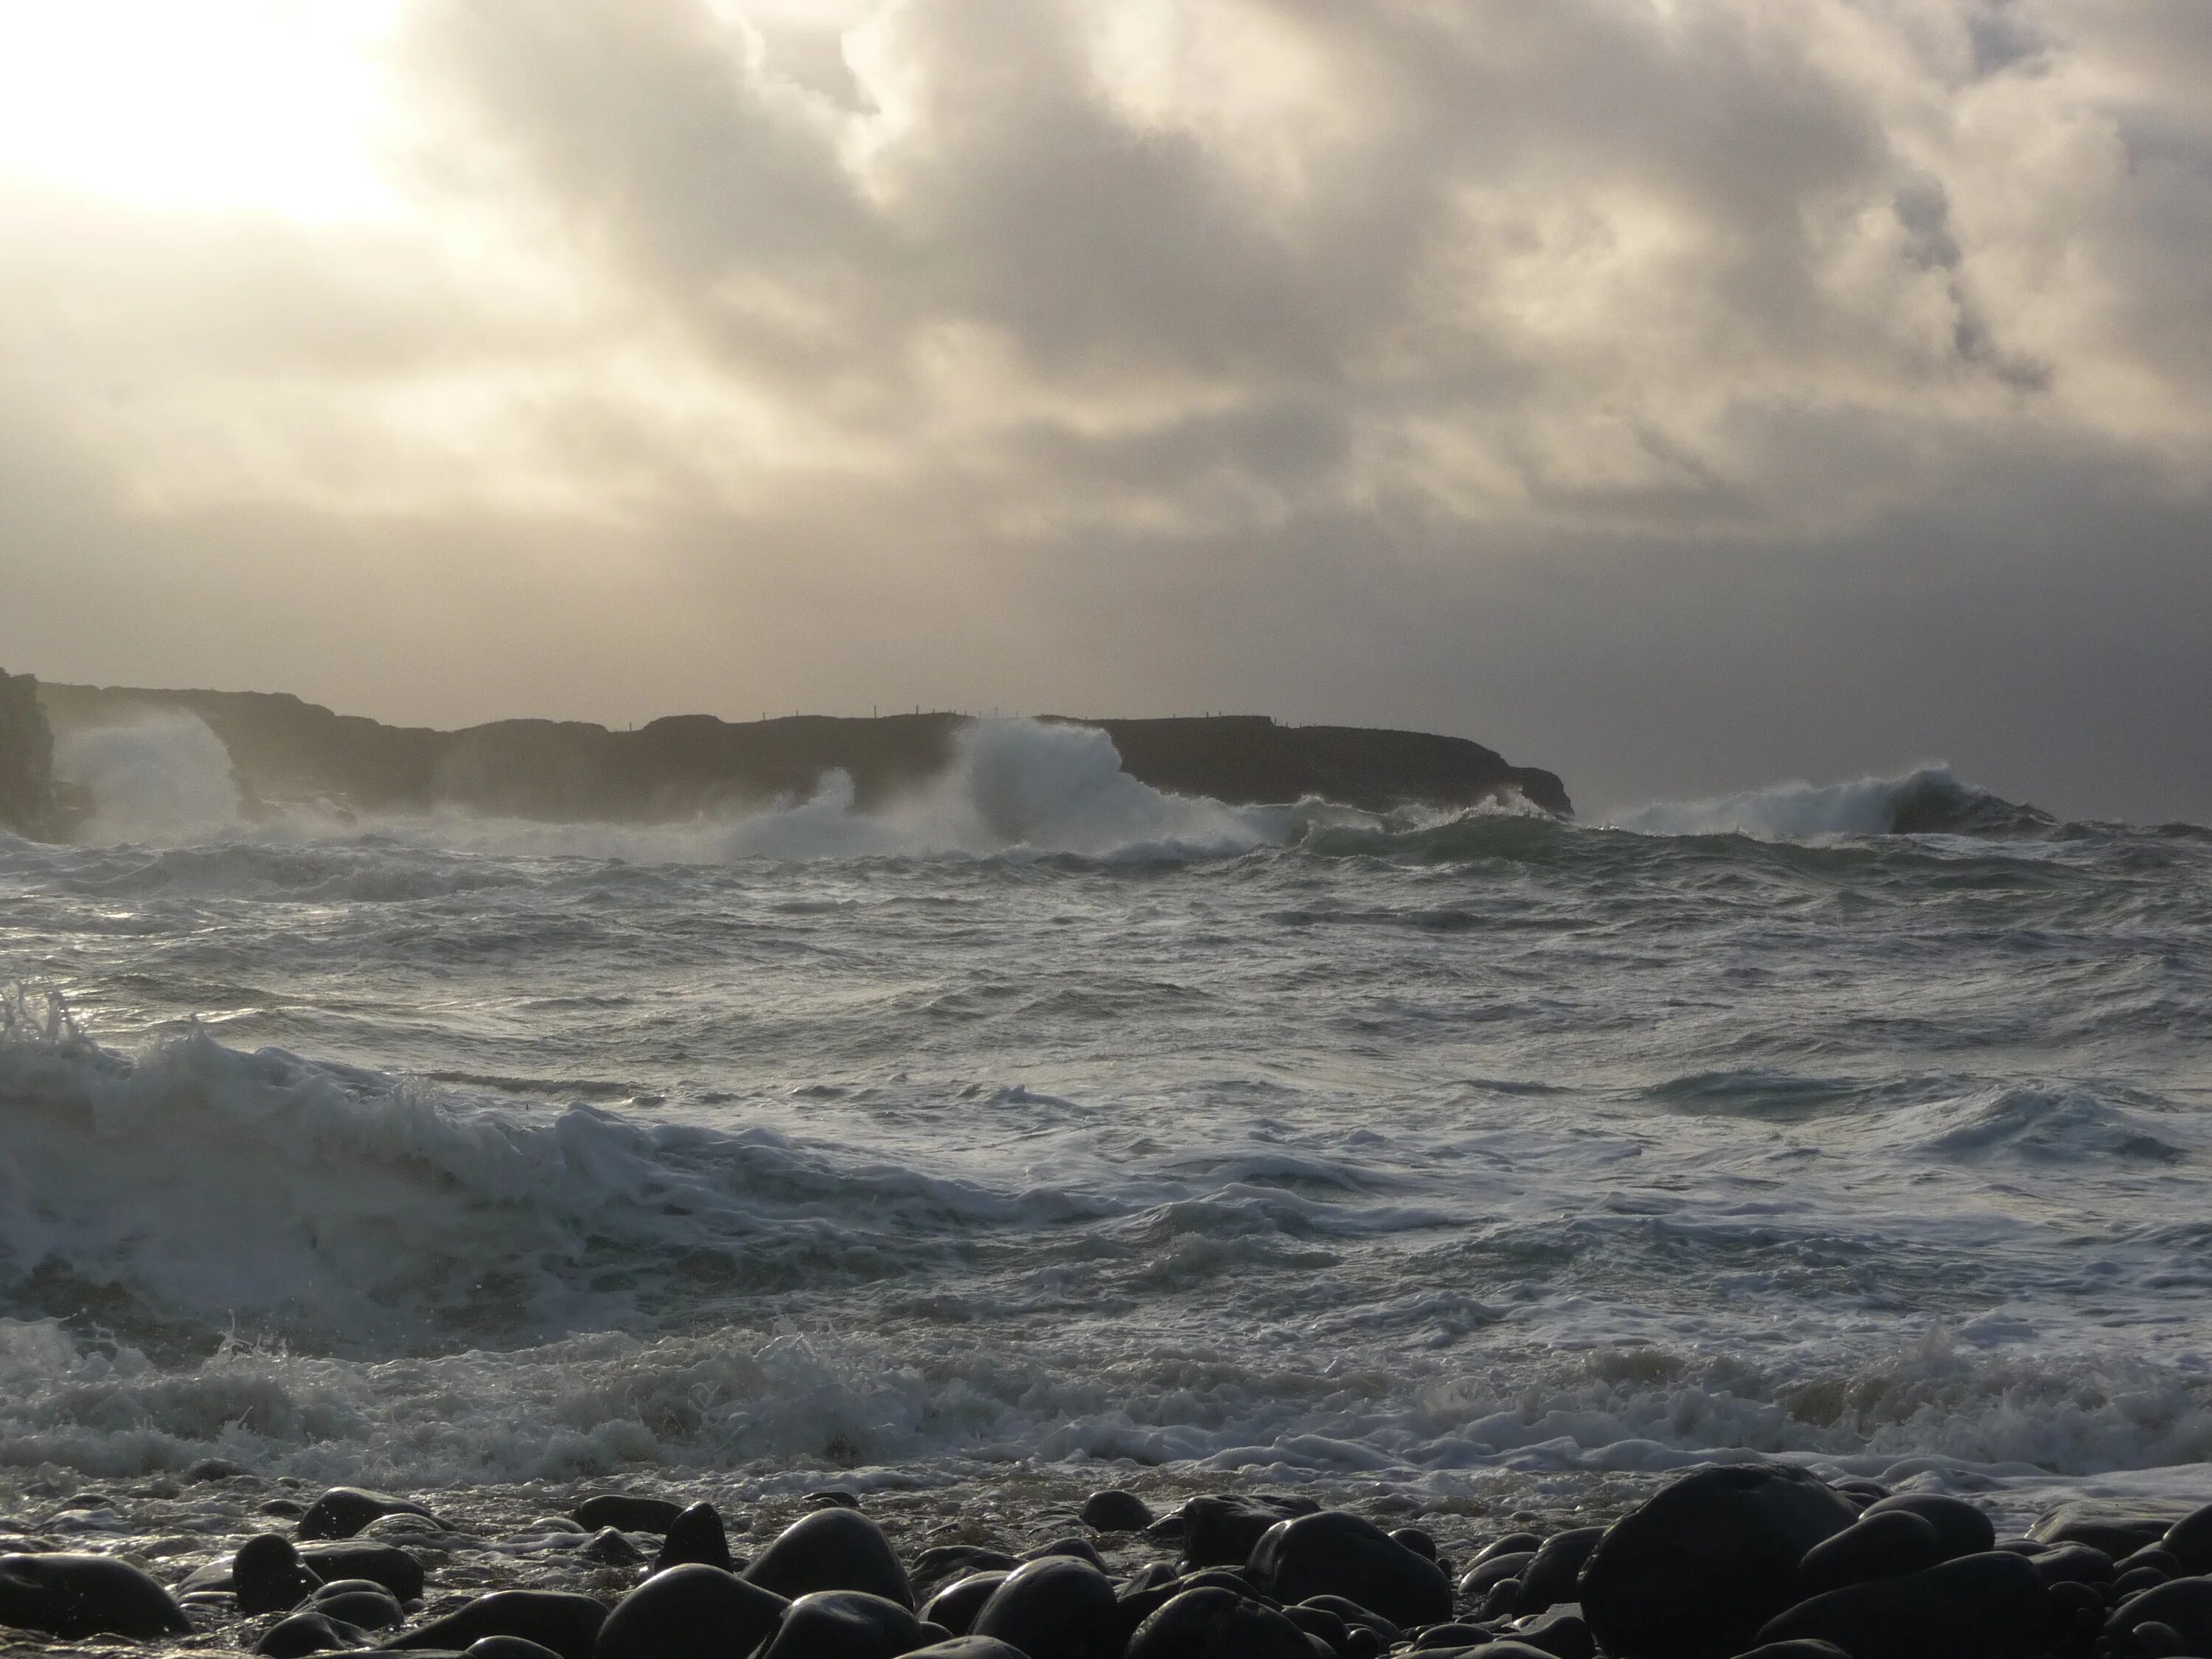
x=28 y=806
x=285 y=749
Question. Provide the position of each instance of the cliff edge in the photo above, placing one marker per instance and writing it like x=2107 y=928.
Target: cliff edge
x=28 y=806
x=283 y=749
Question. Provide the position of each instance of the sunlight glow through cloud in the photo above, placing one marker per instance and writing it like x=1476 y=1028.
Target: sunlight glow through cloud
x=199 y=105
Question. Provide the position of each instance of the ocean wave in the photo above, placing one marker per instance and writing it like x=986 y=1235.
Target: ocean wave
x=1930 y=801
x=191 y=1187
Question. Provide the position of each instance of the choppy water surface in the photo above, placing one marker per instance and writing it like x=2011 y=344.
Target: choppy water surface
x=1054 y=1120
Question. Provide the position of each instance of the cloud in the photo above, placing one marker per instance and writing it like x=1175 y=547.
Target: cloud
x=1261 y=351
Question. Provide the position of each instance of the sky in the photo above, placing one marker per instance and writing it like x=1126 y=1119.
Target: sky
x=1678 y=394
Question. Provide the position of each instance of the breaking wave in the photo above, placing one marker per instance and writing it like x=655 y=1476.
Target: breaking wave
x=1931 y=801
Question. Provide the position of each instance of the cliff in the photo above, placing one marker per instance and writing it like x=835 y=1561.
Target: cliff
x=283 y=748
x=28 y=806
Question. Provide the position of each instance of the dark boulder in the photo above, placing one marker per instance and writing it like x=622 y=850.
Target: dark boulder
x=1887 y=1545
x=1058 y=1608
x=1212 y=1623
x=849 y=1625
x=1333 y=1553
x=507 y=1647
x=832 y=1550
x=1562 y=1633
x=1223 y=1532
x=689 y=1611
x=2190 y=1541
x=1478 y=1579
x=2185 y=1604
x=268 y=1576
x=1695 y=1571
x=2073 y=1564
x=1550 y=1577
x=1991 y=1606
x=2118 y=1529
x=940 y=1562
x=1117 y=1511
x=956 y=1606
x=1806 y=1648
x=362 y=1602
x=1514 y=1543
x=696 y=1536
x=1960 y=1528
x=559 y=1619
x=385 y=1563
x=310 y=1633
x=343 y=1511
x=1414 y=1539
x=625 y=1513
x=73 y=1596
x=968 y=1647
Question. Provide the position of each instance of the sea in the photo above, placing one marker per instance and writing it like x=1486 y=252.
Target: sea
x=1047 y=1126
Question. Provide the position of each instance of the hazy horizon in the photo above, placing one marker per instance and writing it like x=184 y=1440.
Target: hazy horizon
x=1679 y=395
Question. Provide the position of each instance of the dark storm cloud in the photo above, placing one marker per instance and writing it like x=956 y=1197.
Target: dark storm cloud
x=1677 y=392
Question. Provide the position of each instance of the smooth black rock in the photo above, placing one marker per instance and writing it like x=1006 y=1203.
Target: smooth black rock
x=268 y=1576
x=1478 y=1579
x=214 y=1469
x=1695 y=1571
x=1454 y=1635
x=2138 y=1580
x=1806 y=1648
x=360 y=1602
x=1508 y=1648
x=690 y=1612
x=1081 y=1548
x=1960 y=1528
x=1223 y=1532
x=2117 y=1530
x=1414 y=1539
x=343 y=1511
x=2159 y=1641
x=1991 y=1606
x=310 y=1633
x=1502 y=1600
x=1333 y=1553
x=559 y=1619
x=1117 y=1511
x=625 y=1513
x=1550 y=1577
x=956 y=1606
x=2156 y=1556
x=386 y=1563
x=1886 y=1545
x=832 y=1550
x=1321 y=1622
x=611 y=1548
x=832 y=1498
x=968 y=1647
x=1357 y=1617
x=1212 y=1623
x=849 y=1625
x=941 y=1562
x=507 y=1647
x=2185 y=1604
x=72 y=1595
x=694 y=1536
x=1562 y=1633
x=2073 y=1564
x=1860 y=1490
x=2190 y=1539
x=1514 y=1543
x=1057 y=1608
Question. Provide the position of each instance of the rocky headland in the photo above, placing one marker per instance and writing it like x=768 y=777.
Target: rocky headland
x=284 y=750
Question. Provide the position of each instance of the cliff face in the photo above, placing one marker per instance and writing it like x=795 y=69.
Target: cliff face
x=26 y=760
x=283 y=748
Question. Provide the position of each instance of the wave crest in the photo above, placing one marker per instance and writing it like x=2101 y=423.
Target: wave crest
x=1930 y=802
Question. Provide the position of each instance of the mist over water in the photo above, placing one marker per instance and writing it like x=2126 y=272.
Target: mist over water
x=1043 y=1116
